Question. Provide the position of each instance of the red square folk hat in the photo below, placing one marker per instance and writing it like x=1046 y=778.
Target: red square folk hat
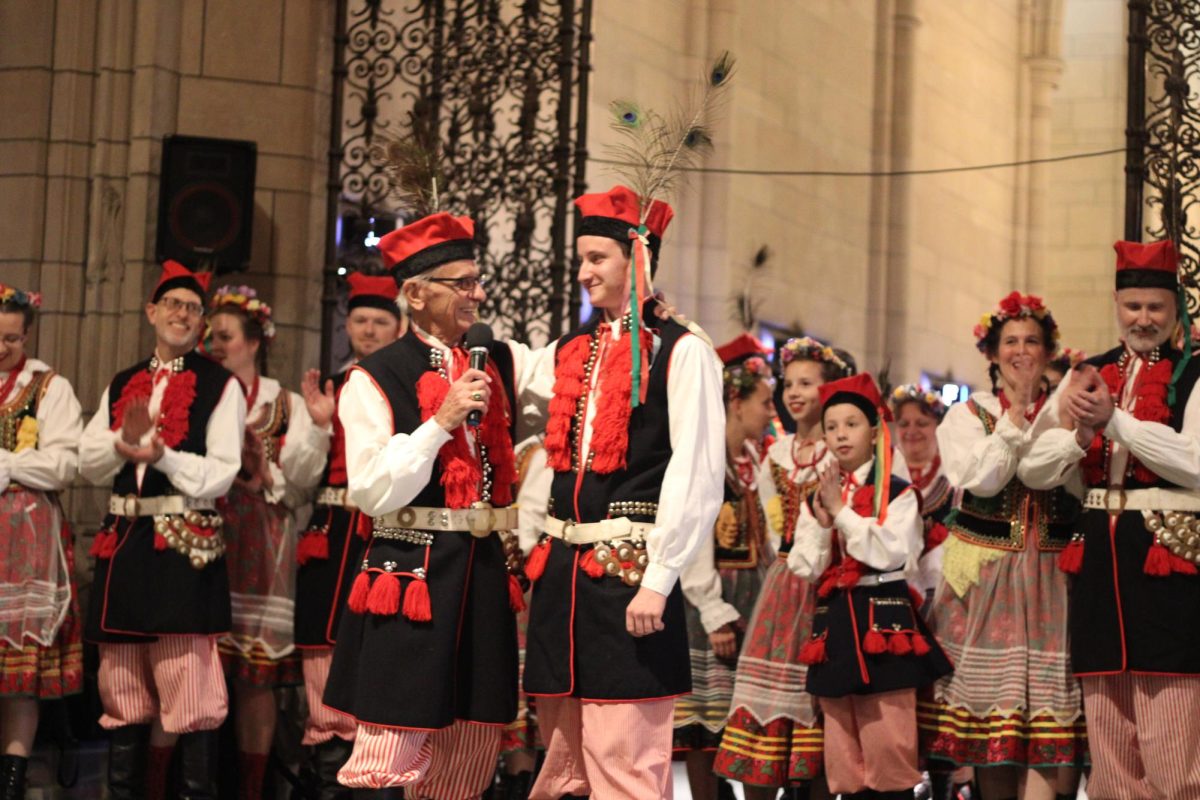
x=177 y=276
x=858 y=390
x=1154 y=265
x=427 y=243
x=372 y=291
x=614 y=213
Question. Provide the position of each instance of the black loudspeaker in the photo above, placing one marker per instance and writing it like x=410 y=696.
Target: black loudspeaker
x=206 y=202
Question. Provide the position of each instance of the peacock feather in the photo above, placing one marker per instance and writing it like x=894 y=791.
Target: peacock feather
x=414 y=167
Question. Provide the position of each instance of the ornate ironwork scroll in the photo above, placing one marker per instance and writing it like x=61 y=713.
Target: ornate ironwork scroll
x=503 y=82
x=1163 y=131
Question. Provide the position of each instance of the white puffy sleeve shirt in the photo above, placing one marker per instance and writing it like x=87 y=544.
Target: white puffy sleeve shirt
x=386 y=470
x=205 y=477
x=51 y=466
x=894 y=544
x=305 y=446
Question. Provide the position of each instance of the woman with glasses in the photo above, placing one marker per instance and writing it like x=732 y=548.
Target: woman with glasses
x=283 y=456
x=40 y=651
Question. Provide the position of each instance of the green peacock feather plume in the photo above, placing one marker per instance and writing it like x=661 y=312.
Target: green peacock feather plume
x=653 y=152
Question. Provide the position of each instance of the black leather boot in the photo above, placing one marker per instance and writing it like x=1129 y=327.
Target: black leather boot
x=127 y=747
x=327 y=759
x=198 y=765
x=12 y=777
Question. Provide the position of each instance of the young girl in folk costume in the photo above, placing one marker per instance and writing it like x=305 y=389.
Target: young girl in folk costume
x=917 y=414
x=722 y=583
x=1012 y=709
x=859 y=537
x=283 y=453
x=40 y=651
x=773 y=736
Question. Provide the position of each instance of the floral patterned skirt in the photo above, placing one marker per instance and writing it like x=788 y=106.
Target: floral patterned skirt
x=773 y=736
x=41 y=653
x=261 y=557
x=700 y=716
x=1012 y=699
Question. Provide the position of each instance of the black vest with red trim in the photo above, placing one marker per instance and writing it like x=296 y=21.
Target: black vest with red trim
x=1005 y=520
x=462 y=664
x=847 y=615
x=577 y=641
x=586 y=498
x=1121 y=618
x=142 y=591
x=323 y=581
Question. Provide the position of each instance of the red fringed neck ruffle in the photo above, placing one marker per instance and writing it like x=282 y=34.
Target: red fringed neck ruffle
x=1149 y=405
x=462 y=472
x=174 y=411
x=610 y=426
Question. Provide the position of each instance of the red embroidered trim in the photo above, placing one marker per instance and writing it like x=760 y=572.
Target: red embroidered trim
x=1030 y=413
x=174 y=411
x=1150 y=405
x=462 y=472
x=610 y=426
x=844 y=572
x=7 y=388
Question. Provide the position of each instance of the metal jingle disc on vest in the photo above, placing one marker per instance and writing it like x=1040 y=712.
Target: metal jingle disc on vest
x=481 y=519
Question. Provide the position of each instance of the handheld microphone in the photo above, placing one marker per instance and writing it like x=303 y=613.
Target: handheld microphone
x=478 y=342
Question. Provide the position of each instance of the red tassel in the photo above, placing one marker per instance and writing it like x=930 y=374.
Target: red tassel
x=359 y=591
x=813 y=651
x=516 y=597
x=103 y=545
x=535 y=565
x=365 y=526
x=874 y=643
x=384 y=600
x=899 y=644
x=312 y=545
x=416 y=601
x=1183 y=566
x=1070 y=560
x=1158 y=561
x=590 y=565
x=920 y=645
x=160 y=541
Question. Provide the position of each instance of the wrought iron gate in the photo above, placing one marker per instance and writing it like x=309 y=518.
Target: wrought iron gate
x=1162 y=163
x=504 y=83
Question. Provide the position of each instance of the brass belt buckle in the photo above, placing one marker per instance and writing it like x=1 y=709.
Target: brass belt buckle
x=1121 y=500
x=129 y=505
x=566 y=530
x=481 y=519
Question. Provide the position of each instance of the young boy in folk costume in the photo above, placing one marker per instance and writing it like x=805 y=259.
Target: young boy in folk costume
x=330 y=551
x=859 y=537
x=773 y=736
x=168 y=434
x=723 y=580
x=283 y=454
x=1129 y=424
x=426 y=654
x=635 y=439
x=40 y=651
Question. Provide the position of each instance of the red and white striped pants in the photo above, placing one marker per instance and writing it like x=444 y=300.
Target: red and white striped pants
x=454 y=763
x=177 y=679
x=612 y=751
x=323 y=723
x=1144 y=736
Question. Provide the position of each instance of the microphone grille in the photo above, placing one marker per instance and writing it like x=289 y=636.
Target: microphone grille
x=479 y=335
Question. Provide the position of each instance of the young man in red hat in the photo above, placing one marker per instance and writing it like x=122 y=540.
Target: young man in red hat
x=426 y=656
x=636 y=441
x=167 y=435
x=1131 y=429
x=331 y=549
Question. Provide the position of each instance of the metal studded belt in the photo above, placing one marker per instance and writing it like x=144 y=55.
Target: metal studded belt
x=1116 y=500
x=336 y=496
x=479 y=520
x=606 y=530
x=133 y=506
x=881 y=577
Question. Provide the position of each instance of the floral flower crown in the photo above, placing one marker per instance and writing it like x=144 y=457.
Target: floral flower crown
x=1016 y=306
x=807 y=348
x=743 y=376
x=246 y=299
x=20 y=297
x=911 y=392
